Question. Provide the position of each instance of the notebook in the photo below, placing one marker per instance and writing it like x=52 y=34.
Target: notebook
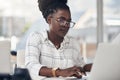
x=106 y=65
x=5 y=66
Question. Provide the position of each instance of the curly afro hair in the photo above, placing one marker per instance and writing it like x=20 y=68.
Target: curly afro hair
x=50 y=6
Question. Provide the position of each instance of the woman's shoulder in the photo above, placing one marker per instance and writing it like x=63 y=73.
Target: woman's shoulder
x=71 y=38
x=38 y=33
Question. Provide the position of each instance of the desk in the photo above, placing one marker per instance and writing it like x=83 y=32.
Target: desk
x=60 y=78
x=34 y=77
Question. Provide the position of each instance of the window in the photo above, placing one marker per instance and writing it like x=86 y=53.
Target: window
x=111 y=19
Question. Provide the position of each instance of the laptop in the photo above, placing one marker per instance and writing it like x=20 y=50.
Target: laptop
x=106 y=65
x=5 y=66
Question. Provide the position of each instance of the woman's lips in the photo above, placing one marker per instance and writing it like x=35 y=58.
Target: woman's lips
x=64 y=30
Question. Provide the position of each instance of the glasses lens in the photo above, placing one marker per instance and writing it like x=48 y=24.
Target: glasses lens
x=64 y=22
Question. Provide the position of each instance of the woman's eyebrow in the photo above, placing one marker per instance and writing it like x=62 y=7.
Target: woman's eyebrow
x=65 y=18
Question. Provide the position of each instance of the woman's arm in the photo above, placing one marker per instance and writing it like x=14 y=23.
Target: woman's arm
x=32 y=53
x=69 y=72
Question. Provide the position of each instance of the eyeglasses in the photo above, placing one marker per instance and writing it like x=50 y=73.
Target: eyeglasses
x=64 y=22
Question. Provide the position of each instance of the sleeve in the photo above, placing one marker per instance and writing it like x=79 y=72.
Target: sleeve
x=32 y=53
x=78 y=58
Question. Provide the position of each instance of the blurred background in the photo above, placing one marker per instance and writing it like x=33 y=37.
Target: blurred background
x=18 y=18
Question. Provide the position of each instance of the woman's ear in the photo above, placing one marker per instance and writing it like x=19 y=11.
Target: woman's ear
x=49 y=19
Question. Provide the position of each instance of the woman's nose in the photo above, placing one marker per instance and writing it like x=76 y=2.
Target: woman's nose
x=66 y=24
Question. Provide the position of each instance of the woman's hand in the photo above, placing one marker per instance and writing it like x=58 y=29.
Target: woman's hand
x=87 y=67
x=79 y=70
x=69 y=72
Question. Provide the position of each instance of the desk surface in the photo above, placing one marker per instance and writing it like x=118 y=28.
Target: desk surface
x=61 y=78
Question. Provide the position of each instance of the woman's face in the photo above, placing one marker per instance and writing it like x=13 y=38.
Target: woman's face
x=59 y=22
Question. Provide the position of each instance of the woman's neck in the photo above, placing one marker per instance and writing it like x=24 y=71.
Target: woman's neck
x=55 y=39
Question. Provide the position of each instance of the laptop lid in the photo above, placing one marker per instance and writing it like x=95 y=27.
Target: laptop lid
x=106 y=64
x=5 y=57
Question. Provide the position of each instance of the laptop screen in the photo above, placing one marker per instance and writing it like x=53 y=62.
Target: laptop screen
x=106 y=64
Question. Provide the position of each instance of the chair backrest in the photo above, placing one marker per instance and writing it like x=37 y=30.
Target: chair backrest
x=5 y=64
x=21 y=58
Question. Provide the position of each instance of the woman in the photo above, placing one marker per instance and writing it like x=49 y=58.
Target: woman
x=52 y=53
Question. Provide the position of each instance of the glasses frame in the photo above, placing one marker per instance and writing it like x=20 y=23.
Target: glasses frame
x=64 y=22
